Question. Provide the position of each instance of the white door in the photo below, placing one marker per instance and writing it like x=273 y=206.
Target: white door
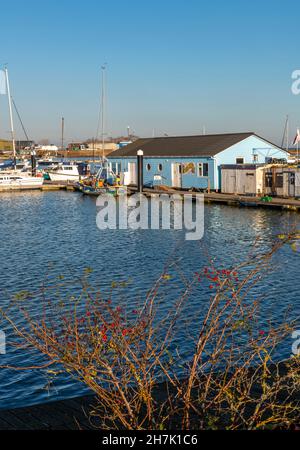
x=250 y=185
x=232 y=189
x=176 y=175
x=132 y=173
x=291 y=180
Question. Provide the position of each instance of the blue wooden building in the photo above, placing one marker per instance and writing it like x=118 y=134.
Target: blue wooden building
x=192 y=161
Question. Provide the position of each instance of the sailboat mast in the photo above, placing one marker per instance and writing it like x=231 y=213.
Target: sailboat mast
x=287 y=133
x=62 y=133
x=11 y=117
x=102 y=109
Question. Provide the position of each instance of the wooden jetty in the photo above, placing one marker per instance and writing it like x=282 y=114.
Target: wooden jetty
x=247 y=201
x=47 y=186
x=55 y=186
x=291 y=204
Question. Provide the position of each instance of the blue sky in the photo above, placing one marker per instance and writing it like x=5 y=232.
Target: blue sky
x=173 y=66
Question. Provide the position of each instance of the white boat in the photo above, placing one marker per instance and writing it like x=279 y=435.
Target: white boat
x=14 y=180
x=19 y=177
x=45 y=162
x=23 y=165
x=64 y=172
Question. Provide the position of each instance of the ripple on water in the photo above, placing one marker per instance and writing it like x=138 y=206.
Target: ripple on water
x=47 y=234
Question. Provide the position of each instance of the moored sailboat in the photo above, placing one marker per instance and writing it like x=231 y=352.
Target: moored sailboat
x=17 y=177
x=105 y=181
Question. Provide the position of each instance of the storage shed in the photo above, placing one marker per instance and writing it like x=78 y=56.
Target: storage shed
x=244 y=179
x=282 y=181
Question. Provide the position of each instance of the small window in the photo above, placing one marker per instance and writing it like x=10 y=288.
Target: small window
x=199 y=170
x=239 y=161
x=160 y=167
x=255 y=158
x=202 y=170
x=148 y=167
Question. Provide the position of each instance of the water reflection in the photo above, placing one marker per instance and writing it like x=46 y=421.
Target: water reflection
x=47 y=234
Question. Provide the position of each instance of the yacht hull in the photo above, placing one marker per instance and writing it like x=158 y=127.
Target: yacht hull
x=29 y=183
x=62 y=177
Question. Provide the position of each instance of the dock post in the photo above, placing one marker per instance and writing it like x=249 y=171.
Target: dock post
x=140 y=180
x=33 y=163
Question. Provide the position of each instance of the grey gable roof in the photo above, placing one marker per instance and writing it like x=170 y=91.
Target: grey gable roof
x=204 y=145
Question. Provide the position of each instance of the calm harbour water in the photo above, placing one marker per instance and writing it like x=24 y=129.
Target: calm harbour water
x=47 y=234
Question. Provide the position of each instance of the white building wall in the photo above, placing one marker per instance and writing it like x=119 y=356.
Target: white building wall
x=246 y=149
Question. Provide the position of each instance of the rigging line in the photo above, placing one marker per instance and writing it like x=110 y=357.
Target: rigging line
x=19 y=117
x=99 y=117
x=98 y=124
x=285 y=131
x=101 y=106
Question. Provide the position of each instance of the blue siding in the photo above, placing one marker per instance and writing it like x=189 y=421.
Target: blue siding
x=244 y=149
x=188 y=180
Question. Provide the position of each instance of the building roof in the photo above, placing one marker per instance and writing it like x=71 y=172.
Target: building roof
x=243 y=166
x=203 y=145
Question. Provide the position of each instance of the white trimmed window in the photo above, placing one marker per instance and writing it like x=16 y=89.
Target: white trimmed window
x=202 y=170
x=239 y=160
